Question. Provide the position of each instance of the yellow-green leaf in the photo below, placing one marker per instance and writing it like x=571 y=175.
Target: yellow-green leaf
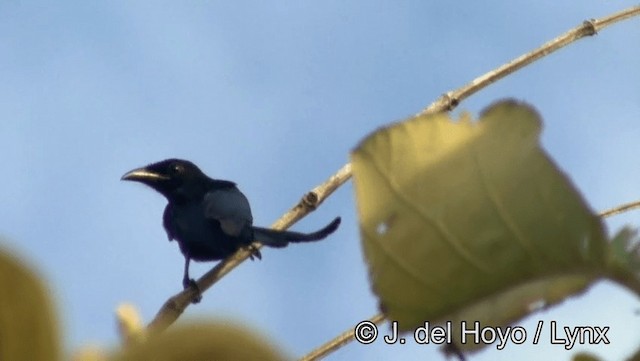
x=458 y=216
x=27 y=325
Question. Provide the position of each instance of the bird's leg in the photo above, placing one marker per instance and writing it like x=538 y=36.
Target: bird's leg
x=188 y=282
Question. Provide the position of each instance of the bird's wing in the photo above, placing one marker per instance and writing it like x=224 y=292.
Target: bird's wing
x=230 y=208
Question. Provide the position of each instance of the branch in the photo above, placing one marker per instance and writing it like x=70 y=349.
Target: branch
x=451 y=99
x=175 y=305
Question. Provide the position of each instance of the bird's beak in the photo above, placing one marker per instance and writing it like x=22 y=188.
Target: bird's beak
x=142 y=175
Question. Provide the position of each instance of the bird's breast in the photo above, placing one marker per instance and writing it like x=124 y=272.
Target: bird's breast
x=199 y=238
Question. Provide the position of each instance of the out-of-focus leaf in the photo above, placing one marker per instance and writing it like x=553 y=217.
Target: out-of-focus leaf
x=203 y=342
x=90 y=353
x=129 y=324
x=27 y=325
x=625 y=251
x=464 y=220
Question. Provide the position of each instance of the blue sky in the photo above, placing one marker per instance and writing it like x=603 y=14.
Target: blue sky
x=274 y=96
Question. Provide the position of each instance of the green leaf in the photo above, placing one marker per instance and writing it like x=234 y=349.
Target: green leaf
x=625 y=251
x=203 y=341
x=459 y=217
x=27 y=325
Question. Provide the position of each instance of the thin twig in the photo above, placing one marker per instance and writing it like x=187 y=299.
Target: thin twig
x=451 y=99
x=174 y=306
x=341 y=340
x=620 y=209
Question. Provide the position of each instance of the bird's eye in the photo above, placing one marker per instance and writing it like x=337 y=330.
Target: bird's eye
x=176 y=168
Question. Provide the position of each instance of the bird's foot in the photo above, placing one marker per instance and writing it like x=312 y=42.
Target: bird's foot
x=191 y=283
x=255 y=252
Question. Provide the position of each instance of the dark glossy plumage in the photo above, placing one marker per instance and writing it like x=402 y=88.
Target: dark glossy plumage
x=210 y=218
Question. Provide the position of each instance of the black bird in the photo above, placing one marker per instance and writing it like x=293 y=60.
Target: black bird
x=210 y=218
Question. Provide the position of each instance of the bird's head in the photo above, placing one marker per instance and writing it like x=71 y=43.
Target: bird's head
x=176 y=179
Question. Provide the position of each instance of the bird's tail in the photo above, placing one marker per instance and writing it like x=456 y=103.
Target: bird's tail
x=275 y=238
